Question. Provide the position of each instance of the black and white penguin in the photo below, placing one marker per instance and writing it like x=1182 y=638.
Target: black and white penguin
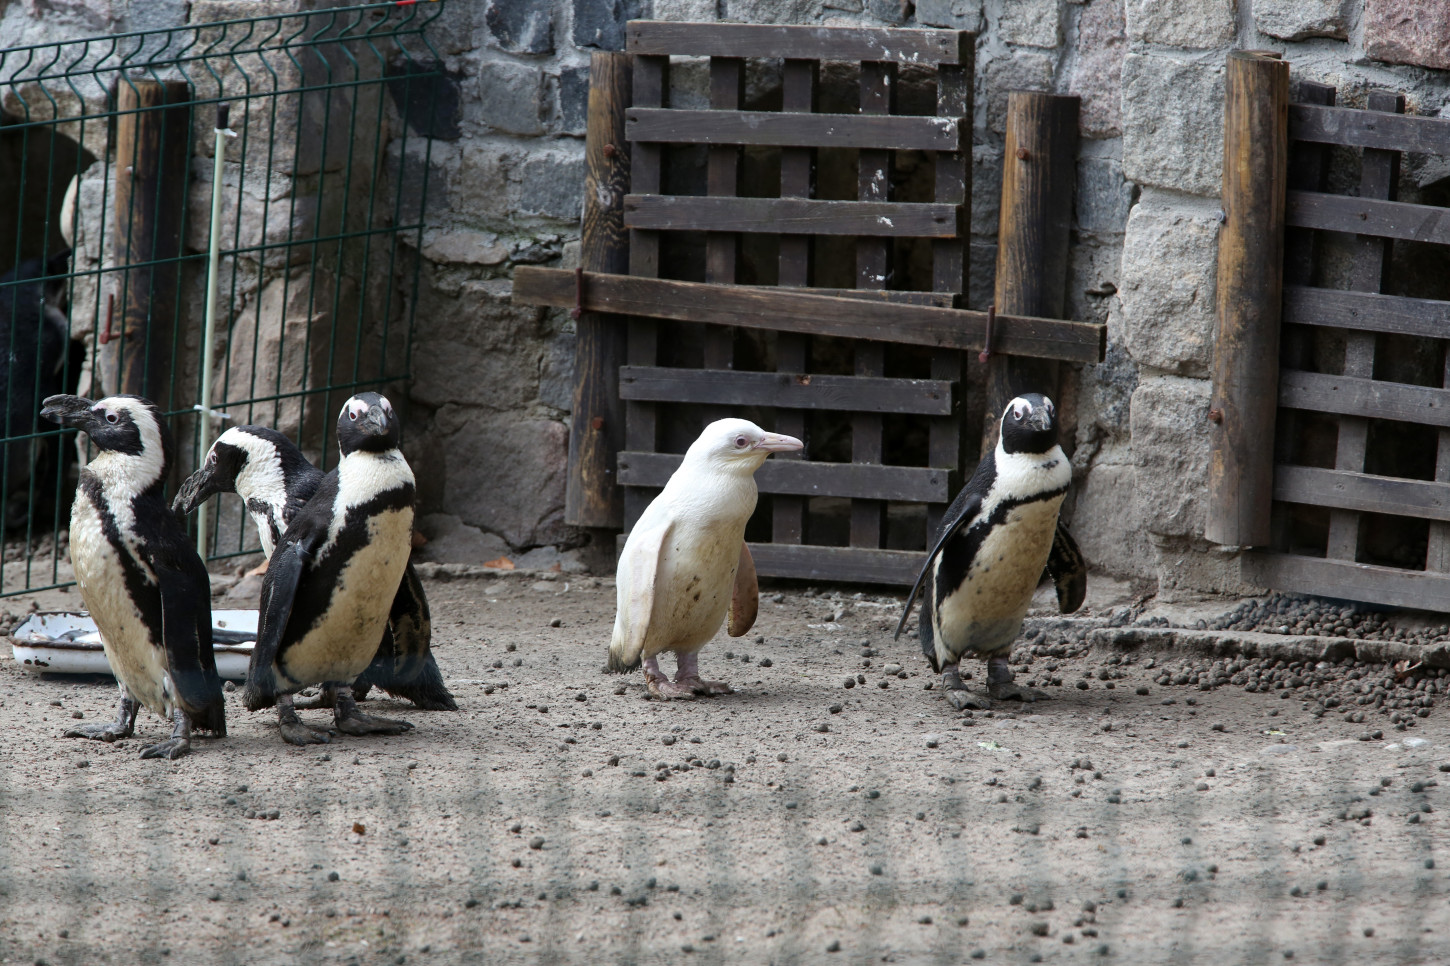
x=331 y=581
x=275 y=481
x=998 y=537
x=140 y=578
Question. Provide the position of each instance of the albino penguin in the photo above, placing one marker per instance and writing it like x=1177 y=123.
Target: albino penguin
x=685 y=562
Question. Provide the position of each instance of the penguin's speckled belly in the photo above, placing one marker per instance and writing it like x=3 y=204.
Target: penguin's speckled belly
x=136 y=659
x=341 y=643
x=697 y=567
x=986 y=612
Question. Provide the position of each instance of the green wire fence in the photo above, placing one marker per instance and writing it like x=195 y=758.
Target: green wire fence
x=106 y=154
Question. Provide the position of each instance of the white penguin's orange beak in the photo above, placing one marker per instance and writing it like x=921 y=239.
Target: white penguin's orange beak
x=776 y=443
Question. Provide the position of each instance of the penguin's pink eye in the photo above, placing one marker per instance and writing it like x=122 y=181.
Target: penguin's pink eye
x=1018 y=412
x=740 y=442
x=112 y=418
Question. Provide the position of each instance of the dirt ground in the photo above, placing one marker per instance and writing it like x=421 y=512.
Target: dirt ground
x=796 y=821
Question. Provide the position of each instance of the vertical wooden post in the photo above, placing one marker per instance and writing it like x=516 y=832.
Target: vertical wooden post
x=1039 y=169
x=153 y=139
x=592 y=495
x=1250 y=297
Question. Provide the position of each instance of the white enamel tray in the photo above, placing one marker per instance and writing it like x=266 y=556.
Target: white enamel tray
x=67 y=642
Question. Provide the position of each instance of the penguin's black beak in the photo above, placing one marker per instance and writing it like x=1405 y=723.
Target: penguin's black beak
x=198 y=488
x=1040 y=420
x=74 y=411
x=374 y=422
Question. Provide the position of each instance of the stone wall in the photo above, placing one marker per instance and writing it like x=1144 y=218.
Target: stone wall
x=489 y=403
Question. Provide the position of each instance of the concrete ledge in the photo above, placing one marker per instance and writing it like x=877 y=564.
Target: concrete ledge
x=1258 y=644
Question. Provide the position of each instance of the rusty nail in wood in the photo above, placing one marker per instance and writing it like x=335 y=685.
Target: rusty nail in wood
x=1023 y=154
x=610 y=150
x=596 y=423
x=578 y=308
x=1215 y=415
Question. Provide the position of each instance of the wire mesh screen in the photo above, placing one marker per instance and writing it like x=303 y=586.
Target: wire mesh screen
x=107 y=151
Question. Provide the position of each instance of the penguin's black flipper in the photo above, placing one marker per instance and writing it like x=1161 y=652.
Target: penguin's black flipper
x=1067 y=569
x=186 y=635
x=279 y=591
x=404 y=665
x=928 y=641
x=963 y=510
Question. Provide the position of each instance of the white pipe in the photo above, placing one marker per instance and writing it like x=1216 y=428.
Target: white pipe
x=213 y=269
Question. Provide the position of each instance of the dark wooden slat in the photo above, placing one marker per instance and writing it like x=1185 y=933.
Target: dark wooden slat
x=799 y=311
x=1248 y=301
x=651 y=82
x=945 y=300
x=1367 y=398
x=903 y=46
x=1379 y=173
x=1362 y=492
x=1437 y=551
x=1366 y=216
x=727 y=87
x=1366 y=311
x=927 y=397
x=910 y=484
x=852 y=565
x=1348 y=580
x=799 y=79
x=1369 y=129
x=772 y=129
x=790 y=216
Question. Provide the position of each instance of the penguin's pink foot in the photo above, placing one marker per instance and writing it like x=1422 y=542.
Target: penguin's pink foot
x=688 y=675
x=661 y=687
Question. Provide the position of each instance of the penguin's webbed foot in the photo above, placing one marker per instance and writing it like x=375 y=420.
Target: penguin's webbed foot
x=111 y=731
x=699 y=685
x=1000 y=686
x=963 y=700
x=293 y=731
x=350 y=721
x=325 y=698
x=171 y=748
x=663 y=689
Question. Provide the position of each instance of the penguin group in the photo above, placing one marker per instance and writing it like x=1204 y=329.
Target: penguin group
x=342 y=608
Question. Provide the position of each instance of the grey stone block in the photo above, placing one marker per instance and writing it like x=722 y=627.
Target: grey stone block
x=473 y=347
x=772 y=11
x=1167 y=287
x=1181 y=23
x=512 y=96
x=1170 y=454
x=1301 y=19
x=1033 y=23
x=600 y=23
x=1023 y=71
x=522 y=26
x=506 y=474
x=986 y=188
x=430 y=105
x=450 y=540
x=1173 y=123
x=552 y=184
x=574 y=100
x=1408 y=32
x=956 y=14
x=1097 y=74
x=556 y=371
x=1103 y=196
x=1105 y=519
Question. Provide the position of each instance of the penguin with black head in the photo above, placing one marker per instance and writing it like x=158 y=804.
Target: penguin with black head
x=275 y=481
x=999 y=539
x=332 y=578
x=139 y=576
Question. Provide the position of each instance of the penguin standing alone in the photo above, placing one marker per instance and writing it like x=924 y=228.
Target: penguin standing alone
x=275 y=481
x=685 y=563
x=996 y=539
x=331 y=580
x=140 y=577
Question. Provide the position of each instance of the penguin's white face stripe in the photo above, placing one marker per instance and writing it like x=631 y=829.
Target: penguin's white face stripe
x=126 y=475
x=355 y=408
x=1020 y=408
x=261 y=477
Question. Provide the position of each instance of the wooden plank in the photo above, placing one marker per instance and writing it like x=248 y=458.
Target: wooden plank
x=799 y=311
x=799 y=80
x=1369 y=129
x=597 y=422
x=910 y=484
x=945 y=300
x=1366 y=311
x=902 y=46
x=1379 y=173
x=1348 y=580
x=727 y=87
x=1038 y=177
x=1249 y=300
x=1367 y=216
x=1437 y=550
x=1366 y=398
x=790 y=216
x=651 y=82
x=851 y=565
x=927 y=397
x=774 y=129
x=1362 y=492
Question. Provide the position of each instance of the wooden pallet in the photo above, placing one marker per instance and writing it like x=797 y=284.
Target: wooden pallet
x=1353 y=397
x=714 y=308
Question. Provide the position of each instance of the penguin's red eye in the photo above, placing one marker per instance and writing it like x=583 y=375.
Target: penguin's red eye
x=352 y=414
x=112 y=418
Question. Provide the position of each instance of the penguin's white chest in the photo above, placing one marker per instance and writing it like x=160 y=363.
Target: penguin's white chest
x=137 y=655
x=341 y=643
x=693 y=588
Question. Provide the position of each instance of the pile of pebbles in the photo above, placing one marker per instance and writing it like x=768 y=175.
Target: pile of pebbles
x=1293 y=614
